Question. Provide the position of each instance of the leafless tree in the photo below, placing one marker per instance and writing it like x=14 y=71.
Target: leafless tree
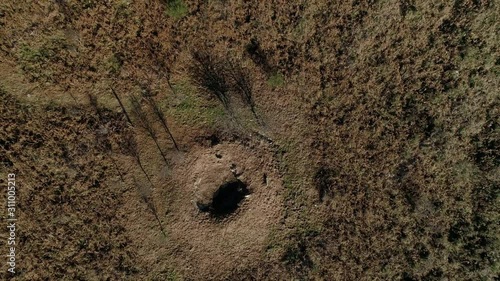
x=146 y=195
x=241 y=83
x=131 y=149
x=222 y=77
x=113 y=161
x=209 y=73
x=163 y=120
x=144 y=122
x=121 y=105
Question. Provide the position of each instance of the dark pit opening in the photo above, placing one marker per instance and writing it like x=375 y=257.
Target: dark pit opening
x=214 y=140
x=228 y=197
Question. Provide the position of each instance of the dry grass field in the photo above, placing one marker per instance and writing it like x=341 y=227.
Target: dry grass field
x=252 y=140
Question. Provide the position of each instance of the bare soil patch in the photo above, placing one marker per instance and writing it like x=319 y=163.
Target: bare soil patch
x=244 y=209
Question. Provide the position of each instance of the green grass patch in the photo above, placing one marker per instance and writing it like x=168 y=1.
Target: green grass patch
x=176 y=9
x=114 y=64
x=122 y=11
x=35 y=60
x=191 y=109
x=28 y=54
x=276 y=80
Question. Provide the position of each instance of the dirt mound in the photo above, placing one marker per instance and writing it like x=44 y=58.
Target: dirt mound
x=217 y=187
x=241 y=208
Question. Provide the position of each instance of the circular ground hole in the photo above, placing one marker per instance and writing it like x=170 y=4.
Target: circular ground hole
x=228 y=197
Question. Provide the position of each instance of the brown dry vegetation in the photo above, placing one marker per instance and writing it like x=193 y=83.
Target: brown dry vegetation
x=369 y=130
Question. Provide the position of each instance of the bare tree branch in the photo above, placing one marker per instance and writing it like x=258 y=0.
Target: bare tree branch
x=121 y=105
x=144 y=122
x=161 y=117
x=146 y=195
